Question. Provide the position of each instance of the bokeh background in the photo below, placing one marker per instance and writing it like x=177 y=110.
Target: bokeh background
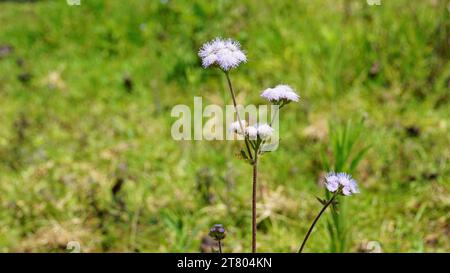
x=86 y=153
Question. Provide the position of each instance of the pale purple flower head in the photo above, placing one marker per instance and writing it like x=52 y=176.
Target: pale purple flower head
x=262 y=131
x=280 y=93
x=235 y=127
x=341 y=182
x=332 y=182
x=227 y=54
x=251 y=132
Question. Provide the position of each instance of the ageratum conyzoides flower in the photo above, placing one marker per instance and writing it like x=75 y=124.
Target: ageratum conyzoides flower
x=341 y=183
x=225 y=53
x=280 y=94
x=261 y=131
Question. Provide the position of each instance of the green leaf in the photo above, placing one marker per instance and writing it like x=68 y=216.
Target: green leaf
x=322 y=201
x=354 y=163
x=244 y=155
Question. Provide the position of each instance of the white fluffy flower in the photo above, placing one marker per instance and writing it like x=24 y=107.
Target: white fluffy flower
x=226 y=54
x=235 y=127
x=341 y=181
x=251 y=132
x=332 y=182
x=264 y=131
x=279 y=93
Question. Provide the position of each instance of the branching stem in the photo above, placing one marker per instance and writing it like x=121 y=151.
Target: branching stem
x=233 y=96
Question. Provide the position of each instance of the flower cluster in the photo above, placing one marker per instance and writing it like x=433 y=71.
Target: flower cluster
x=280 y=94
x=261 y=131
x=342 y=183
x=217 y=232
x=253 y=132
x=227 y=54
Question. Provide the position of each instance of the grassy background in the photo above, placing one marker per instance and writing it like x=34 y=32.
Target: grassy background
x=83 y=158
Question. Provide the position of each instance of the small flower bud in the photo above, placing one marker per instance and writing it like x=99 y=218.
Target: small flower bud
x=217 y=232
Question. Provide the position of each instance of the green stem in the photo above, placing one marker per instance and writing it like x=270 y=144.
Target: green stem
x=315 y=221
x=255 y=178
x=230 y=86
x=220 y=247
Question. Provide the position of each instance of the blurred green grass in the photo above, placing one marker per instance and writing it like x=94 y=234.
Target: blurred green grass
x=70 y=132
